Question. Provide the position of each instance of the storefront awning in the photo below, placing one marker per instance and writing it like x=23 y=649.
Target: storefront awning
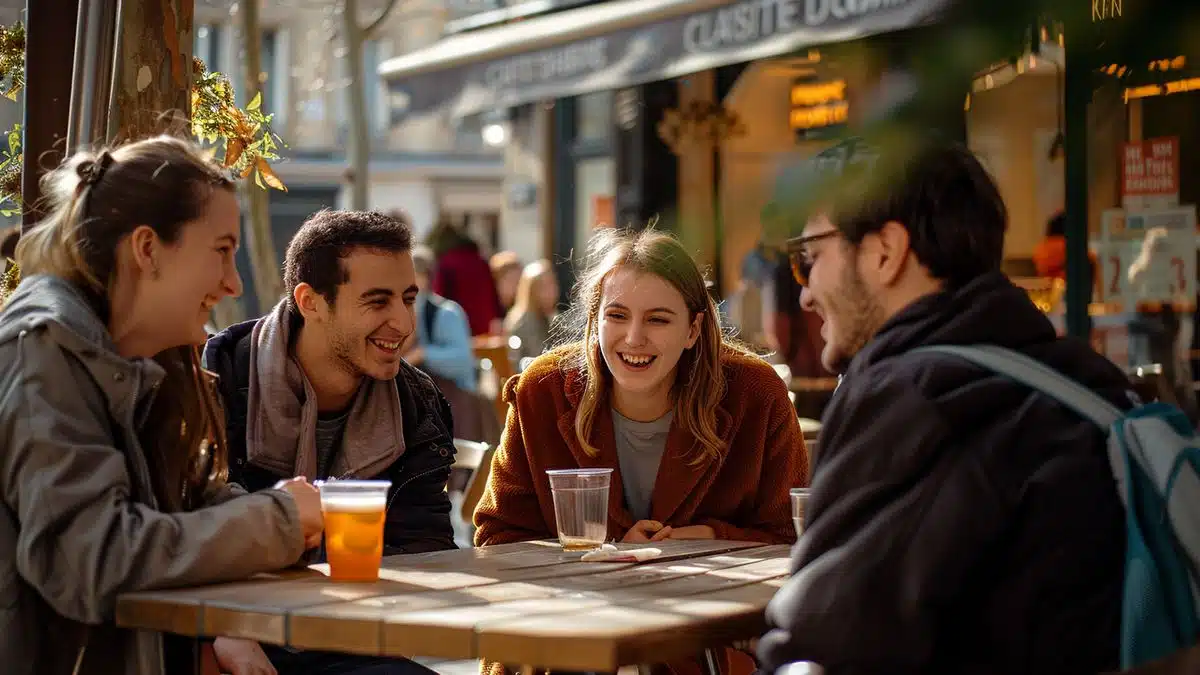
x=625 y=42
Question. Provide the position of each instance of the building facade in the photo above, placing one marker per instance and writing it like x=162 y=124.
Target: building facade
x=427 y=168
x=673 y=112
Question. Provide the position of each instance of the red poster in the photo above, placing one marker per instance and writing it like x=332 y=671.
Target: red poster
x=1151 y=168
x=603 y=211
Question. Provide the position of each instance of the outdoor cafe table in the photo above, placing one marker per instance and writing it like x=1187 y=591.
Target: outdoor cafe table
x=529 y=604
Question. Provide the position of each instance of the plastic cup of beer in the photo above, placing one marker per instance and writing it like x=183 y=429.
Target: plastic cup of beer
x=580 y=506
x=799 y=501
x=354 y=512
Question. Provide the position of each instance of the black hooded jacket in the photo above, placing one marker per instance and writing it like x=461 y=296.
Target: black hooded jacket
x=959 y=522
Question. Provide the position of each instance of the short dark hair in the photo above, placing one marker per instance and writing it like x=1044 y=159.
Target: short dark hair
x=940 y=192
x=315 y=254
x=1057 y=227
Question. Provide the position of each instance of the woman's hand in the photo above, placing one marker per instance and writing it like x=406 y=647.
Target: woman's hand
x=308 y=502
x=646 y=531
x=692 y=532
x=242 y=657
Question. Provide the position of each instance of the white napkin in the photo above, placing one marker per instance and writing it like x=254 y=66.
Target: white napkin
x=610 y=553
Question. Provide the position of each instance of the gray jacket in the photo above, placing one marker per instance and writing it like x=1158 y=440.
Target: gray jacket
x=78 y=519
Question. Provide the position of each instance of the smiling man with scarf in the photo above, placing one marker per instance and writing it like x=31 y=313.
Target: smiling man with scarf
x=318 y=388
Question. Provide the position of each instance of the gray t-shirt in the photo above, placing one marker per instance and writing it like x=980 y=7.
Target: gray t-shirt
x=329 y=439
x=640 y=447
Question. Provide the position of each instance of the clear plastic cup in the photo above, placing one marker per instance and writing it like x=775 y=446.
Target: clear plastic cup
x=799 y=501
x=354 y=513
x=580 y=506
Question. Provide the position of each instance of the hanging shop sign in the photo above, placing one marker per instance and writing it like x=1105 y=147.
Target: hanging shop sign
x=818 y=106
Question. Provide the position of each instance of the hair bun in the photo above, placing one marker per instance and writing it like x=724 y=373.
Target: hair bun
x=92 y=170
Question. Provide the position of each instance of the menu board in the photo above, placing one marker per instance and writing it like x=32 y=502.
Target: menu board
x=1168 y=271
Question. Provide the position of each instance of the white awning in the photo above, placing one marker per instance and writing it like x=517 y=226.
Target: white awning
x=622 y=43
x=539 y=33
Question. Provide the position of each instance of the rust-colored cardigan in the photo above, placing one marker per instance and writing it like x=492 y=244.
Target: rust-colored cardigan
x=743 y=496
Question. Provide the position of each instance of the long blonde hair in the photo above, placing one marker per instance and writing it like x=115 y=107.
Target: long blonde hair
x=526 y=300
x=94 y=200
x=699 y=381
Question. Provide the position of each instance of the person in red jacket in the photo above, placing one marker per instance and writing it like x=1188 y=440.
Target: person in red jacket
x=463 y=275
x=700 y=433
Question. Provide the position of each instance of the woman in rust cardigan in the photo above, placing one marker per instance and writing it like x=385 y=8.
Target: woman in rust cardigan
x=701 y=434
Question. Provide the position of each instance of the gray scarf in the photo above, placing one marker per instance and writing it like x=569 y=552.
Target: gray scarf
x=282 y=418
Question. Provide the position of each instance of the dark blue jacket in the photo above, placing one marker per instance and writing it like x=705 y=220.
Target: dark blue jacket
x=418 y=512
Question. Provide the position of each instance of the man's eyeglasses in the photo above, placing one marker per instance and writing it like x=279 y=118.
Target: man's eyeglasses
x=798 y=257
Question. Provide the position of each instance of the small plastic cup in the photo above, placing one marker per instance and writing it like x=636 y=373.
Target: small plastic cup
x=799 y=501
x=580 y=506
x=354 y=512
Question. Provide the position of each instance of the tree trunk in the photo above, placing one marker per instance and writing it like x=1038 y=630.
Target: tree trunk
x=359 y=150
x=264 y=262
x=49 y=51
x=152 y=93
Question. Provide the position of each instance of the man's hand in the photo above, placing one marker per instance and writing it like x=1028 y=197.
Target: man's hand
x=645 y=531
x=242 y=657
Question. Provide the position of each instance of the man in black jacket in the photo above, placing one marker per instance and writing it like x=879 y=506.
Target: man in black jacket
x=318 y=388
x=959 y=522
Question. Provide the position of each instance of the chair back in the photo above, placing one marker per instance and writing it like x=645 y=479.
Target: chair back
x=469 y=454
x=479 y=478
x=495 y=361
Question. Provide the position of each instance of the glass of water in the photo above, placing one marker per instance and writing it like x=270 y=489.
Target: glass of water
x=580 y=506
x=799 y=501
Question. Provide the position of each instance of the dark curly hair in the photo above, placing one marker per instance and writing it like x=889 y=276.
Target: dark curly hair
x=315 y=254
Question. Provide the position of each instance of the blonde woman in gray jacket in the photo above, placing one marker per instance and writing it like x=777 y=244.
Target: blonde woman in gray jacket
x=111 y=449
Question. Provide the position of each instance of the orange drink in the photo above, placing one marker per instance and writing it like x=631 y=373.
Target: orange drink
x=354 y=514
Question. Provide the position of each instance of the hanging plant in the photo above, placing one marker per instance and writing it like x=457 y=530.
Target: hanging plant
x=243 y=134
x=12 y=82
x=11 y=160
x=12 y=60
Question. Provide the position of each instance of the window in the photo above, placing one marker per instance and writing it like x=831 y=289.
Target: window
x=269 y=52
x=595 y=190
x=372 y=57
x=207 y=45
x=593 y=116
x=376 y=100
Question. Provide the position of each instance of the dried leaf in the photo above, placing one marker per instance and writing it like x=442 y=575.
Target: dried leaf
x=233 y=151
x=268 y=175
